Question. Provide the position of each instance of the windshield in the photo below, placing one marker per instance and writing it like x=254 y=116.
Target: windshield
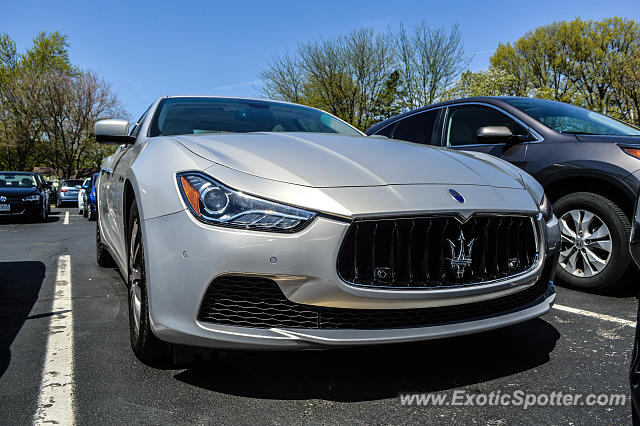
x=571 y=119
x=183 y=116
x=17 y=180
x=72 y=182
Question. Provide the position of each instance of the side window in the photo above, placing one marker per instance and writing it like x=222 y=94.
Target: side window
x=417 y=128
x=463 y=122
x=387 y=130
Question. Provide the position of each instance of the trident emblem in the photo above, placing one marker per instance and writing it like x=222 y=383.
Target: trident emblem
x=460 y=256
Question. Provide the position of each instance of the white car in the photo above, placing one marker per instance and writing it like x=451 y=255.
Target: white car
x=82 y=196
x=254 y=224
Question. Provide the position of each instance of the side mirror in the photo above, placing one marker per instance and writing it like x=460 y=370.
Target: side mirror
x=500 y=134
x=114 y=132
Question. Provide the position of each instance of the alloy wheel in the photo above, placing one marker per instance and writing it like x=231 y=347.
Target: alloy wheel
x=586 y=243
x=136 y=275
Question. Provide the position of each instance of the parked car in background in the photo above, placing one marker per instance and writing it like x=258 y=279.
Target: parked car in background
x=23 y=194
x=255 y=224
x=68 y=191
x=589 y=165
x=48 y=190
x=82 y=196
x=90 y=210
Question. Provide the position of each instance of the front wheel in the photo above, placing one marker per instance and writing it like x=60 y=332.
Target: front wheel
x=103 y=258
x=146 y=346
x=594 y=251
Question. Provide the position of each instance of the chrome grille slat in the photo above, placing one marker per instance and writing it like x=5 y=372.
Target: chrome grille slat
x=415 y=252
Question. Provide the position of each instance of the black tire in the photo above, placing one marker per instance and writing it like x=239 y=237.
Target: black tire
x=146 y=346
x=103 y=258
x=92 y=215
x=57 y=202
x=44 y=216
x=85 y=213
x=611 y=278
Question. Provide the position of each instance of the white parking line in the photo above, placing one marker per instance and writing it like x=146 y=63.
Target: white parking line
x=55 y=404
x=66 y=218
x=595 y=315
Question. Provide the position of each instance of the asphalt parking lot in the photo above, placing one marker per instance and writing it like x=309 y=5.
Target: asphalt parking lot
x=568 y=350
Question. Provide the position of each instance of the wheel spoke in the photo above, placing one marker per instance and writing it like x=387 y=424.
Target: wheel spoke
x=567 y=232
x=572 y=262
x=597 y=262
x=587 y=218
x=587 y=268
x=601 y=232
x=605 y=245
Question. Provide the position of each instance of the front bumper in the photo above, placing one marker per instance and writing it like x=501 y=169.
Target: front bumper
x=182 y=263
x=22 y=209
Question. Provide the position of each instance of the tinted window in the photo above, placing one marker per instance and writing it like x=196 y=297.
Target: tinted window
x=71 y=182
x=417 y=128
x=181 y=116
x=136 y=127
x=17 y=180
x=464 y=121
x=386 y=131
x=566 y=118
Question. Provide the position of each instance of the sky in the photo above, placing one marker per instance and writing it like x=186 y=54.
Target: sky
x=146 y=50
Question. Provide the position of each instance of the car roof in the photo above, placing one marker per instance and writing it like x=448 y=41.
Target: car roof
x=494 y=100
x=18 y=173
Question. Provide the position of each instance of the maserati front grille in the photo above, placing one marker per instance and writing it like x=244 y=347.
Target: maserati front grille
x=437 y=251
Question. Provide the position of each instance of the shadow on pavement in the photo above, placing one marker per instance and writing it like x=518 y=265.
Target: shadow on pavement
x=14 y=220
x=20 y=284
x=380 y=372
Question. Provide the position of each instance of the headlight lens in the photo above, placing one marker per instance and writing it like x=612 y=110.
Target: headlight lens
x=545 y=208
x=214 y=203
x=35 y=197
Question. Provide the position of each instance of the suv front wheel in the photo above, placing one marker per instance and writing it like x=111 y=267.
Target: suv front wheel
x=594 y=251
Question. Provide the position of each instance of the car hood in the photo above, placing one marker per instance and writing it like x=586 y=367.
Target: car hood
x=17 y=192
x=330 y=161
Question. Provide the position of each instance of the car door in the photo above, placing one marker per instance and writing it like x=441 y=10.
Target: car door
x=461 y=124
x=121 y=165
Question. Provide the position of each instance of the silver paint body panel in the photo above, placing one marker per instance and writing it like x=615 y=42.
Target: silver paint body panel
x=343 y=178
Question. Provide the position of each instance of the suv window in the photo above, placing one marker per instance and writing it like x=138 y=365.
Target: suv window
x=417 y=128
x=463 y=122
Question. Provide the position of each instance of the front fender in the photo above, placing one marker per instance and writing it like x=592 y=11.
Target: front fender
x=152 y=176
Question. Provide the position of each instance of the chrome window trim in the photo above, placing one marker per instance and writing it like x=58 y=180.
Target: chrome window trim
x=537 y=135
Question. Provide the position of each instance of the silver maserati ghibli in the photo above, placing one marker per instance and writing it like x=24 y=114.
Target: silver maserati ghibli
x=254 y=224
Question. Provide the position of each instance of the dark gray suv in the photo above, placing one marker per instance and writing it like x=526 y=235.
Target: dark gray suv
x=589 y=165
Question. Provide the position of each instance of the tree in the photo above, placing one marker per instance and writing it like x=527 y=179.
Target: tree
x=71 y=104
x=492 y=82
x=345 y=75
x=48 y=108
x=586 y=63
x=429 y=61
x=20 y=89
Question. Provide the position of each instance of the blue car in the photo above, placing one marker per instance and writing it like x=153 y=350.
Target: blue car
x=90 y=210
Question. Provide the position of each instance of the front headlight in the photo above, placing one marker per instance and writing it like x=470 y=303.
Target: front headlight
x=216 y=204
x=545 y=208
x=35 y=197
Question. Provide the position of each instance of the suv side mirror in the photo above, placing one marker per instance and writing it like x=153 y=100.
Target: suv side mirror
x=495 y=134
x=114 y=132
